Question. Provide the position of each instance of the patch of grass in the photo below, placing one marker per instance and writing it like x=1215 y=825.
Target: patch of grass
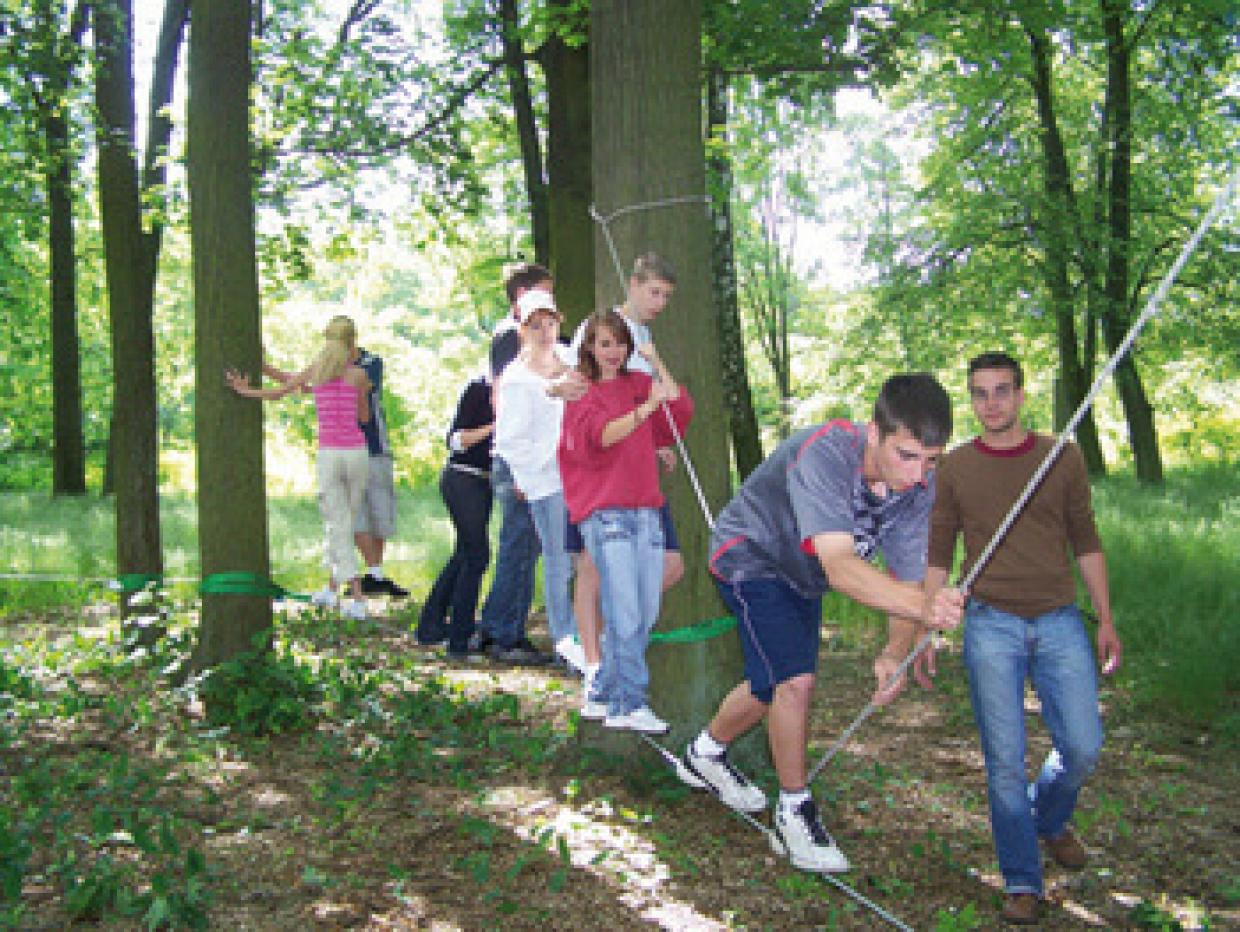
x=1174 y=557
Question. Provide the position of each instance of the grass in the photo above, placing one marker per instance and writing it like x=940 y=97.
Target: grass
x=1174 y=560
x=1173 y=555
x=74 y=540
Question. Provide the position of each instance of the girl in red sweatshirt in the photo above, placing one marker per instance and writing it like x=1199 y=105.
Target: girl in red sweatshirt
x=611 y=485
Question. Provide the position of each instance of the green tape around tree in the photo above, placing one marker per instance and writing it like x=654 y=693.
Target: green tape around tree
x=135 y=582
x=702 y=631
x=237 y=583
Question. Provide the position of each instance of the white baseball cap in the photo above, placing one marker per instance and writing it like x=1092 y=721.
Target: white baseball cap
x=533 y=301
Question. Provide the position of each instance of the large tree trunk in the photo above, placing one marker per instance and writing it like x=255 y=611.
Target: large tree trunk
x=646 y=78
x=1056 y=225
x=1142 y=432
x=527 y=127
x=134 y=443
x=232 y=501
x=742 y=422
x=571 y=233
x=68 y=448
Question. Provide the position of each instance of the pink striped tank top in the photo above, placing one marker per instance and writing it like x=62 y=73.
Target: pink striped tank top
x=335 y=402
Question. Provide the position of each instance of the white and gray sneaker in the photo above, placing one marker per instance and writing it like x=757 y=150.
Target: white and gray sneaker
x=640 y=719
x=570 y=649
x=593 y=711
x=805 y=841
x=717 y=774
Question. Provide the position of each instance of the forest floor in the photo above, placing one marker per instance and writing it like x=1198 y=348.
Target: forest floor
x=441 y=795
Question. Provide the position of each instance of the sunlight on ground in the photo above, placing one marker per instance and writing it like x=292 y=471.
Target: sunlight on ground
x=596 y=843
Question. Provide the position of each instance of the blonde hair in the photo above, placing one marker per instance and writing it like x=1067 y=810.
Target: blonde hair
x=339 y=343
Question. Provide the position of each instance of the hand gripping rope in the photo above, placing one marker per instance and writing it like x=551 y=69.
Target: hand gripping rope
x=669 y=758
x=1151 y=308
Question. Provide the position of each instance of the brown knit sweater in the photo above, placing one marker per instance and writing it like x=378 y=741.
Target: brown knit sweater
x=1030 y=572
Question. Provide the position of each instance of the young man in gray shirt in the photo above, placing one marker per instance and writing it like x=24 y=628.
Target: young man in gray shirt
x=809 y=519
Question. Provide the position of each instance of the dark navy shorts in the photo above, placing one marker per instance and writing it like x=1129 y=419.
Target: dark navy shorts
x=573 y=542
x=779 y=631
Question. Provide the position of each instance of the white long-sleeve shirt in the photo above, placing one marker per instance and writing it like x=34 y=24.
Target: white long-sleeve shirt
x=527 y=430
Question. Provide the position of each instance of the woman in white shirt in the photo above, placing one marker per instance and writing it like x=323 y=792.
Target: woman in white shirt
x=527 y=432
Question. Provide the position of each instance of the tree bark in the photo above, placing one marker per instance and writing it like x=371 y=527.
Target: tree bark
x=742 y=422
x=134 y=442
x=1142 y=431
x=232 y=501
x=68 y=446
x=1056 y=223
x=527 y=127
x=571 y=231
x=645 y=69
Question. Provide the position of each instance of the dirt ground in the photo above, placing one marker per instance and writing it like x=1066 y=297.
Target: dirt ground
x=513 y=826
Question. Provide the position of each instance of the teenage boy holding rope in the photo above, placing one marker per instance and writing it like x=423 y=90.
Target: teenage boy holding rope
x=1022 y=623
x=805 y=521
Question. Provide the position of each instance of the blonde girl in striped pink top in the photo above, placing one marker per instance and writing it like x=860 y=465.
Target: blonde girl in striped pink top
x=340 y=391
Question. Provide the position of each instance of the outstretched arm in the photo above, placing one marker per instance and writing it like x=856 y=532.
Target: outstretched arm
x=240 y=383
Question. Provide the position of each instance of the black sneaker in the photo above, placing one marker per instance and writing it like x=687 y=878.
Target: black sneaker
x=372 y=585
x=431 y=638
x=394 y=589
x=523 y=652
x=479 y=641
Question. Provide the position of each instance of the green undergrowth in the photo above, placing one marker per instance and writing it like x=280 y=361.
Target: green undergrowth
x=108 y=783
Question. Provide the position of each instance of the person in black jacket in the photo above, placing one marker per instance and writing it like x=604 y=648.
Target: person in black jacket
x=465 y=484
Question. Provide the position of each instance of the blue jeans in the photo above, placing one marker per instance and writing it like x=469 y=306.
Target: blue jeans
x=551 y=521
x=626 y=545
x=1001 y=651
x=512 y=587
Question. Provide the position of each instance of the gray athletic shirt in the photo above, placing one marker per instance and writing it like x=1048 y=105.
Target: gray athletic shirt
x=810 y=485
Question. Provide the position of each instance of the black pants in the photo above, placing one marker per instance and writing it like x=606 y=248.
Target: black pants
x=455 y=592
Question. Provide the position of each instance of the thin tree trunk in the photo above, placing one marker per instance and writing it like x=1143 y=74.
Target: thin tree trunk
x=68 y=447
x=742 y=422
x=527 y=128
x=1142 y=431
x=570 y=229
x=134 y=442
x=232 y=501
x=1056 y=224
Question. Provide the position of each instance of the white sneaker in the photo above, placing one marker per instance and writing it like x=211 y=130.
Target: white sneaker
x=572 y=652
x=719 y=776
x=324 y=597
x=592 y=711
x=640 y=719
x=354 y=609
x=805 y=841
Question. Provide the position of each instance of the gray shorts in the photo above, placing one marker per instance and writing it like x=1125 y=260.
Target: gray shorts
x=377 y=516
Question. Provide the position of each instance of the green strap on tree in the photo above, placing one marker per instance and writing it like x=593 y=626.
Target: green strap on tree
x=135 y=582
x=237 y=583
x=702 y=631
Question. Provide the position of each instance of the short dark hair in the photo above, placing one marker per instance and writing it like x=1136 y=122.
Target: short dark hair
x=918 y=403
x=997 y=361
x=652 y=265
x=587 y=363
x=522 y=277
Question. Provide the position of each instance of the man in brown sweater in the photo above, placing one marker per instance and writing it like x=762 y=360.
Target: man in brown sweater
x=1022 y=623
